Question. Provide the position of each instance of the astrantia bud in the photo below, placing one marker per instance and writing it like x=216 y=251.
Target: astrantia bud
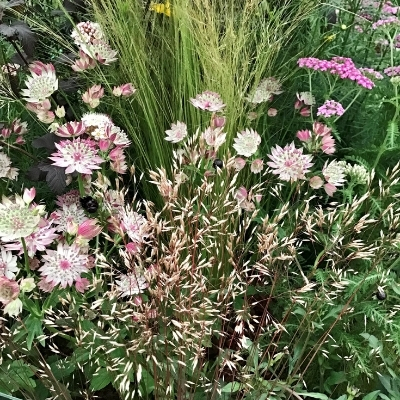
x=13 y=308
x=60 y=112
x=27 y=285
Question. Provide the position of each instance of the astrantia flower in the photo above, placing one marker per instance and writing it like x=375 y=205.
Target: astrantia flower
x=13 y=308
x=86 y=32
x=6 y=171
x=209 y=101
x=64 y=265
x=93 y=95
x=247 y=142
x=307 y=98
x=100 y=51
x=330 y=108
x=132 y=283
x=214 y=137
x=36 y=241
x=289 y=163
x=77 y=155
x=72 y=214
x=9 y=290
x=124 y=90
x=18 y=219
x=71 y=197
x=8 y=264
x=257 y=166
x=71 y=129
x=177 y=132
x=264 y=91
x=41 y=84
x=335 y=172
x=239 y=163
x=135 y=225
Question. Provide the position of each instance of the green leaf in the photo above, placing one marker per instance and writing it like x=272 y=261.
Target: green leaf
x=372 y=395
x=100 y=379
x=315 y=395
x=336 y=377
x=147 y=382
x=34 y=327
x=231 y=387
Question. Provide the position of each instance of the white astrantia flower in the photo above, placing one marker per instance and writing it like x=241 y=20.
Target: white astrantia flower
x=247 y=142
x=8 y=264
x=64 y=265
x=335 y=172
x=132 y=283
x=100 y=51
x=86 y=32
x=177 y=132
x=69 y=214
x=135 y=225
x=6 y=171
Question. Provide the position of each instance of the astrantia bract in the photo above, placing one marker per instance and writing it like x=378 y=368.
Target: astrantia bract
x=247 y=142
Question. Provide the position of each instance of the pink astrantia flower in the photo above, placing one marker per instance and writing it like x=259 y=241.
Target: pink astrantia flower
x=77 y=155
x=71 y=197
x=69 y=215
x=305 y=112
x=41 y=84
x=330 y=108
x=93 y=95
x=71 y=129
x=304 y=135
x=86 y=32
x=100 y=51
x=257 y=166
x=124 y=90
x=9 y=290
x=89 y=229
x=177 y=132
x=272 y=112
x=239 y=163
x=83 y=63
x=64 y=265
x=316 y=182
x=214 y=137
x=134 y=225
x=81 y=284
x=289 y=163
x=247 y=142
x=209 y=101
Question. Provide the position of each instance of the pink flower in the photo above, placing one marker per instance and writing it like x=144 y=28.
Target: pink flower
x=18 y=127
x=47 y=117
x=117 y=157
x=304 y=135
x=93 y=95
x=328 y=144
x=89 y=229
x=330 y=189
x=209 y=101
x=177 y=132
x=125 y=90
x=257 y=166
x=81 y=284
x=316 y=182
x=40 y=106
x=305 y=112
x=247 y=142
x=83 y=63
x=239 y=163
x=100 y=51
x=71 y=129
x=132 y=247
x=214 y=137
x=9 y=290
x=64 y=265
x=272 y=112
x=330 y=108
x=289 y=163
x=217 y=122
x=77 y=155
x=131 y=284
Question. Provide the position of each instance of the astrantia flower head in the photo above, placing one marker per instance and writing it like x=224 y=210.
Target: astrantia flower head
x=132 y=283
x=264 y=91
x=214 y=137
x=70 y=214
x=177 y=132
x=77 y=155
x=8 y=264
x=71 y=197
x=100 y=51
x=71 y=129
x=247 y=142
x=306 y=97
x=335 y=172
x=209 y=101
x=135 y=225
x=289 y=163
x=18 y=219
x=86 y=32
x=41 y=84
x=64 y=265
x=6 y=171
x=9 y=290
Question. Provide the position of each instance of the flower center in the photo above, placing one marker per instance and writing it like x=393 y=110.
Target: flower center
x=65 y=264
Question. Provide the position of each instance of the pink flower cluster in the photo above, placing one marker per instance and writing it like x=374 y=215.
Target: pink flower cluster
x=320 y=138
x=386 y=22
x=392 y=71
x=342 y=66
x=330 y=108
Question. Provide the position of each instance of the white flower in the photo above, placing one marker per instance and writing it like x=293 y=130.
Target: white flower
x=70 y=214
x=247 y=142
x=8 y=264
x=307 y=98
x=264 y=91
x=334 y=172
x=177 y=132
x=214 y=137
x=135 y=225
x=6 y=171
x=132 y=283
x=27 y=285
x=86 y=32
x=13 y=308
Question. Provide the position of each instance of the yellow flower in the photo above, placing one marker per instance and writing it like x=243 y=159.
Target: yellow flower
x=161 y=8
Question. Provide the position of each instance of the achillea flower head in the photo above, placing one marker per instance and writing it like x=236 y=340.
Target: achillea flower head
x=64 y=265
x=330 y=108
x=100 y=51
x=289 y=163
x=386 y=23
x=77 y=155
x=131 y=284
x=18 y=219
x=41 y=84
x=357 y=173
x=8 y=264
x=86 y=32
x=265 y=90
x=371 y=73
x=247 y=142
x=392 y=71
x=209 y=101
x=177 y=132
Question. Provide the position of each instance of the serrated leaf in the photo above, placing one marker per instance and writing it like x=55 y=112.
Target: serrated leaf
x=46 y=141
x=26 y=37
x=56 y=178
x=100 y=379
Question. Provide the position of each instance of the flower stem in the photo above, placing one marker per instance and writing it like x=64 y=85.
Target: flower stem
x=26 y=257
